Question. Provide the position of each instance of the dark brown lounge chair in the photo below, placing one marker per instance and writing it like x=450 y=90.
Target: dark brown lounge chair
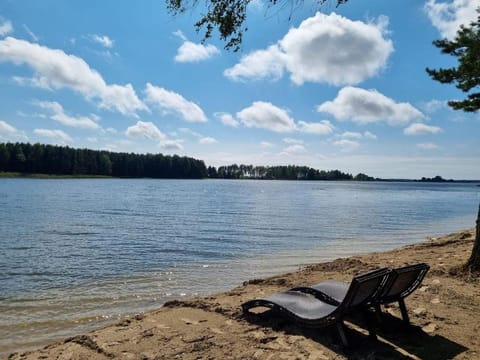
x=307 y=310
x=401 y=282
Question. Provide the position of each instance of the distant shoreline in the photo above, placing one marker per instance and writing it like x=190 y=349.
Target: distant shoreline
x=51 y=161
x=50 y=176
x=54 y=176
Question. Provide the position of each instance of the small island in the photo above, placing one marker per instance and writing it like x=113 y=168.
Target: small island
x=437 y=178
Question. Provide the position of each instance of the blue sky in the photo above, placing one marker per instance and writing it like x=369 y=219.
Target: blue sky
x=332 y=88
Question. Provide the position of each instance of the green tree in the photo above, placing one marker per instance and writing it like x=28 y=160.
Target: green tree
x=466 y=76
x=4 y=157
x=104 y=164
x=363 y=177
x=228 y=16
x=19 y=158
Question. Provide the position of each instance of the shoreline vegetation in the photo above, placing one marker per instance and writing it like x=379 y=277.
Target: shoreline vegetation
x=51 y=161
x=443 y=312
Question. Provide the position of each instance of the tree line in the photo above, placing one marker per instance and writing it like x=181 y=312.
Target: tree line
x=290 y=172
x=64 y=160
x=37 y=158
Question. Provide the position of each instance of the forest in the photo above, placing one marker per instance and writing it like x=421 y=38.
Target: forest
x=290 y=172
x=25 y=158
x=63 y=160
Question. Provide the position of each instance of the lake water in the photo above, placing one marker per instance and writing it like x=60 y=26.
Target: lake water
x=77 y=253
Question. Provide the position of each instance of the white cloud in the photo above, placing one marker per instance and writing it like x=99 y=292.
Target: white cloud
x=207 y=141
x=294 y=150
x=448 y=16
x=323 y=127
x=265 y=115
x=145 y=129
x=323 y=49
x=103 y=40
x=351 y=135
x=54 y=69
x=434 y=105
x=346 y=145
x=172 y=103
x=172 y=145
x=6 y=28
x=266 y=145
x=6 y=128
x=60 y=116
x=421 y=129
x=10 y=133
x=227 y=119
x=258 y=65
x=190 y=132
x=122 y=98
x=428 y=146
x=56 y=135
x=191 y=52
x=292 y=141
x=369 y=106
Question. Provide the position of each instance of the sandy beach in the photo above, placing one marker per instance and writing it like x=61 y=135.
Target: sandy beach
x=444 y=315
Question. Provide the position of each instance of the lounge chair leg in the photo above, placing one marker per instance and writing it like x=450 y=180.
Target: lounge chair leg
x=372 y=332
x=403 y=309
x=341 y=332
x=378 y=312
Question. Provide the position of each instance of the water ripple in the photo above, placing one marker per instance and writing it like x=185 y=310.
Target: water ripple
x=79 y=253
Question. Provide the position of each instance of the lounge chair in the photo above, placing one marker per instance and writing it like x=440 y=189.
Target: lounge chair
x=307 y=310
x=400 y=283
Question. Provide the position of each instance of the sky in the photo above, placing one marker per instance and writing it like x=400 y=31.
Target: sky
x=322 y=86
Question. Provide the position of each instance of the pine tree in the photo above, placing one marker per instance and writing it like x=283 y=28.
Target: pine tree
x=466 y=76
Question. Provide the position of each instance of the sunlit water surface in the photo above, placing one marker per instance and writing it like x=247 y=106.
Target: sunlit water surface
x=79 y=253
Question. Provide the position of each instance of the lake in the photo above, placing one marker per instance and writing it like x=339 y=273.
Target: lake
x=77 y=253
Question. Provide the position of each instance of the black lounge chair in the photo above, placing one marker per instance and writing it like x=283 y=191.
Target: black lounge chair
x=307 y=310
x=401 y=282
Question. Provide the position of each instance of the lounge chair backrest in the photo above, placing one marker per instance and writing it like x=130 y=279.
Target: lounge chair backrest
x=364 y=288
x=403 y=281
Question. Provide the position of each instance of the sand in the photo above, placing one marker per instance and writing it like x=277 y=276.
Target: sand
x=444 y=314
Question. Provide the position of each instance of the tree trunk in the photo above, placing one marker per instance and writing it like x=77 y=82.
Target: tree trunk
x=474 y=261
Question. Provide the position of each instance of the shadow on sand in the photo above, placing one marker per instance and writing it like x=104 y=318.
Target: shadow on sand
x=395 y=339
